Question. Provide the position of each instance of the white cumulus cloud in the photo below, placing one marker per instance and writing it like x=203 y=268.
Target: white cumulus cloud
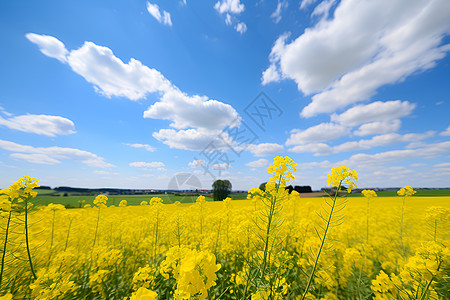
x=192 y=111
x=319 y=149
x=241 y=27
x=49 y=45
x=258 y=163
x=379 y=127
x=222 y=166
x=193 y=139
x=40 y=124
x=276 y=15
x=99 y=172
x=445 y=132
x=229 y=6
x=375 y=111
x=111 y=77
x=53 y=155
x=133 y=80
x=197 y=163
x=153 y=9
x=144 y=146
x=319 y=133
x=374 y=43
x=147 y=165
x=265 y=149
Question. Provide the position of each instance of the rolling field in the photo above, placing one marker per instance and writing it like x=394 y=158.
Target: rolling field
x=274 y=245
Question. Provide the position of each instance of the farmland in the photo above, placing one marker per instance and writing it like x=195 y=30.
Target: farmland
x=44 y=198
x=273 y=245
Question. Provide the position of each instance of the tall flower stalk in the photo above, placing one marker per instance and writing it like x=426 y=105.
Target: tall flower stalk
x=406 y=192
x=268 y=221
x=368 y=194
x=340 y=177
x=157 y=206
x=99 y=201
x=436 y=215
x=5 y=209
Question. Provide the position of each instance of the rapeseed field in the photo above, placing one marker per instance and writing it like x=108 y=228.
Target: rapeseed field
x=274 y=245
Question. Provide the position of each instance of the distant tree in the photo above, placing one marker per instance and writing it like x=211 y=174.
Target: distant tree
x=303 y=189
x=43 y=187
x=221 y=189
x=262 y=186
x=290 y=188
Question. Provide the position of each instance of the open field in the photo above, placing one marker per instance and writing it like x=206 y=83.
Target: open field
x=46 y=197
x=271 y=246
x=71 y=201
x=182 y=250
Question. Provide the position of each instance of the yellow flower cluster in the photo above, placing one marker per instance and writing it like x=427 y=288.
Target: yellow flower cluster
x=406 y=191
x=195 y=271
x=369 y=193
x=144 y=294
x=437 y=214
x=144 y=277
x=281 y=170
x=100 y=201
x=342 y=176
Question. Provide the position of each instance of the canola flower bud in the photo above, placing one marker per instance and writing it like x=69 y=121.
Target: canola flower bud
x=123 y=203
x=144 y=203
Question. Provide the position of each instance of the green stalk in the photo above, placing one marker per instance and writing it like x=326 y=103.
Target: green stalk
x=367 y=221
x=68 y=232
x=311 y=277
x=4 y=247
x=156 y=233
x=96 y=227
x=428 y=284
x=51 y=240
x=26 y=237
x=435 y=230
x=178 y=232
x=401 y=224
x=269 y=223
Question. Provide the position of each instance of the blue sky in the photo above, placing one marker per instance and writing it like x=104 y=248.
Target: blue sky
x=131 y=93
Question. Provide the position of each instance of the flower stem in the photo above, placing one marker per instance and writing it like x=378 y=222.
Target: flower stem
x=27 y=237
x=4 y=247
x=311 y=277
x=268 y=233
x=96 y=227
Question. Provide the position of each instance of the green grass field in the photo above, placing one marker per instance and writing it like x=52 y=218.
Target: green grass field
x=71 y=201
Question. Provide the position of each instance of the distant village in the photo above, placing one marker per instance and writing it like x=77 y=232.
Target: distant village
x=74 y=191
